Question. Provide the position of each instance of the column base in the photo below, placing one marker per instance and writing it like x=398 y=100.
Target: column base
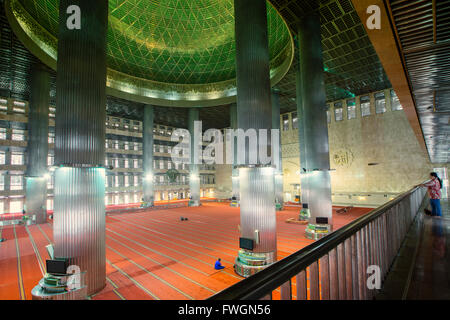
x=53 y=287
x=145 y=205
x=36 y=199
x=304 y=215
x=249 y=263
x=234 y=203
x=317 y=231
x=194 y=203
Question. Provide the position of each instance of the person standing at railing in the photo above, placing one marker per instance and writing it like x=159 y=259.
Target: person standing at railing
x=434 y=190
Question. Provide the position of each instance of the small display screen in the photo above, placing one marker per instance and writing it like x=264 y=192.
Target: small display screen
x=56 y=266
x=321 y=220
x=245 y=243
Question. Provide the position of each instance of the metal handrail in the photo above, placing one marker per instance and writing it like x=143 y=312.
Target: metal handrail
x=271 y=278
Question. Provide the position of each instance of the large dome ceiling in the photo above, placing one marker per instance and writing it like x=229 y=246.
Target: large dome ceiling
x=167 y=52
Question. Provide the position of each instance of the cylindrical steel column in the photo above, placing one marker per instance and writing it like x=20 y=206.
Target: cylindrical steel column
x=254 y=112
x=235 y=170
x=194 y=169
x=313 y=128
x=147 y=138
x=279 y=202
x=36 y=174
x=79 y=205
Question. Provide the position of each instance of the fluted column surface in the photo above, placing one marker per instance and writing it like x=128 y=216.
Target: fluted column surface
x=148 y=179
x=313 y=129
x=79 y=205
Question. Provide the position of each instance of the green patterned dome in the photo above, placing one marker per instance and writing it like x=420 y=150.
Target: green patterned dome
x=161 y=50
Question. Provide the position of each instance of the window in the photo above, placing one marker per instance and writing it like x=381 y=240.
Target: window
x=18 y=135
x=126 y=145
x=16 y=182
x=2 y=182
x=51 y=112
x=16 y=206
x=116 y=144
x=328 y=116
x=161 y=164
x=338 y=111
x=136 y=146
x=351 y=109
x=126 y=181
x=365 y=106
x=285 y=122
x=395 y=103
x=116 y=181
x=51 y=137
x=2 y=157
x=294 y=120
x=50 y=160
x=135 y=163
x=136 y=180
x=3 y=133
x=380 y=103
x=16 y=159
x=3 y=104
x=19 y=107
x=50 y=182
x=126 y=163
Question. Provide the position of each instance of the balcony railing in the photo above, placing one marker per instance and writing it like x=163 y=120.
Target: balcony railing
x=336 y=267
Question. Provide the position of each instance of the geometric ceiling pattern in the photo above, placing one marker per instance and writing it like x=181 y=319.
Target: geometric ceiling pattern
x=423 y=32
x=351 y=63
x=170 y=41
x=352 y=66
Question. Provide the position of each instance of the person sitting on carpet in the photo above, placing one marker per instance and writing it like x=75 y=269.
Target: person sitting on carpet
x=218 y=265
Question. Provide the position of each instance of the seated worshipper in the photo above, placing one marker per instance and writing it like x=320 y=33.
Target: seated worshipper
x=218 y=265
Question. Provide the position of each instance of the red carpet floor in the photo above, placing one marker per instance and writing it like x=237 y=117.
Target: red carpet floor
x=153 y=255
